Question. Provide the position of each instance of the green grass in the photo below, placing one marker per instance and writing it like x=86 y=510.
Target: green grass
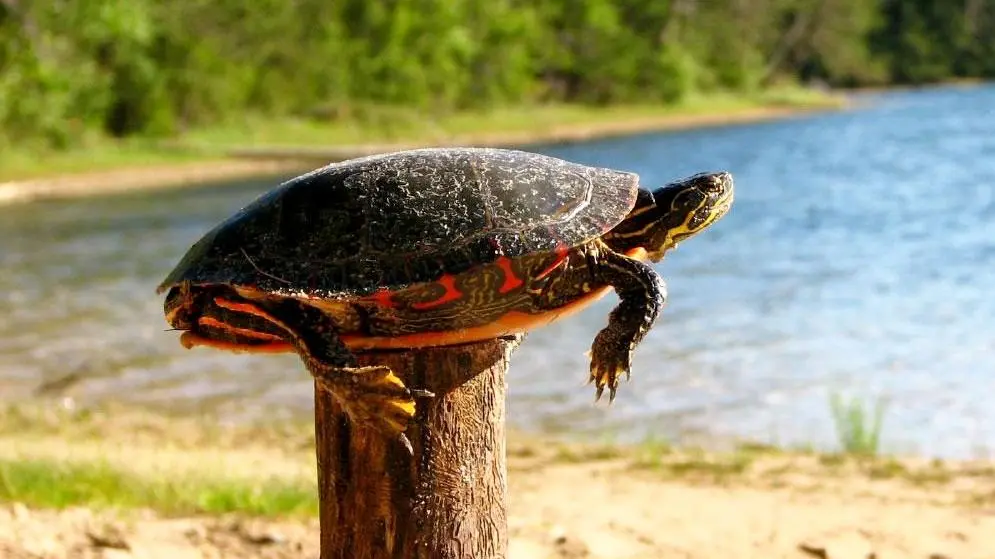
x=652 y=452
x=858 y=428
x=57 y=484
x=693 y=463
x=20 y=163
x=374 y=125
x=586 y=453
x=404 y=125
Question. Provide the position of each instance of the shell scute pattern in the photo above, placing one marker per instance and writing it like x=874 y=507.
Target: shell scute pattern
x=390 y=221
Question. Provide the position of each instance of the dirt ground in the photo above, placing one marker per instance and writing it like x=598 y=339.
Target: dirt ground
x=596 y=511
x=601 y=506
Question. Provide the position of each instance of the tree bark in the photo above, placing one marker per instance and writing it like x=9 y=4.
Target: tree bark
x=448 y=499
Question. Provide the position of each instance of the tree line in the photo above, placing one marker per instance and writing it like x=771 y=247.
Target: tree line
x=69 y=68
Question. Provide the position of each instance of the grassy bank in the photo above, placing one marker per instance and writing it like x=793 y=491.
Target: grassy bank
x=385 y=128
x=122 y=483
x=125 y=459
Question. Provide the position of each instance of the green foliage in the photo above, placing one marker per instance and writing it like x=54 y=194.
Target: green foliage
x=859 y=431
x=74 y=70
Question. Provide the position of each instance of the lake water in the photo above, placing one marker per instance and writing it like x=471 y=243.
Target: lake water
x=859 y=258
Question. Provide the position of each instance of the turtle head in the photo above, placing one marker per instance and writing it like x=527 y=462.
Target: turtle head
x=686 y=207
x=667 y=215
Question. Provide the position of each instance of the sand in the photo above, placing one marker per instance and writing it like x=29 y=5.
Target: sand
x=609 y=505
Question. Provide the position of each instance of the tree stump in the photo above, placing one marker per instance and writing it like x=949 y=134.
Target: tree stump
x=448 y=499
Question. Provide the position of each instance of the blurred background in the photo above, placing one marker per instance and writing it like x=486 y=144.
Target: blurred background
x=852 y=278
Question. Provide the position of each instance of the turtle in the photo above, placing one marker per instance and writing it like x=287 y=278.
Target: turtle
x=434 y=247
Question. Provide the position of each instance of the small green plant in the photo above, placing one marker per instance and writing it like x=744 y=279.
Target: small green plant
x=586 y=453
x=857 y=428
x=651 y=452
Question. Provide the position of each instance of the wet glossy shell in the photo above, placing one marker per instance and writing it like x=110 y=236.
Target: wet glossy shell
x=389 y=221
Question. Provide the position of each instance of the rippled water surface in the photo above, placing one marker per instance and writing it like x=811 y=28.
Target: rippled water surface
x=859 y=257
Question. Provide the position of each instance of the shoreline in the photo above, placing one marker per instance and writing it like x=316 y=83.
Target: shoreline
x=273 y=161
x=87 y=482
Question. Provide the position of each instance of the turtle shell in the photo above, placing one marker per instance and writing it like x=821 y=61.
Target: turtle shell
x=393 y=220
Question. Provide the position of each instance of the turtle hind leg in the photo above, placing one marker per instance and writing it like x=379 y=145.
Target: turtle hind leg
x=371 y=396
x=642 y=294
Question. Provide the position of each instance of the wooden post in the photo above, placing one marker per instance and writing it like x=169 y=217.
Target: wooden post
x=448 y=500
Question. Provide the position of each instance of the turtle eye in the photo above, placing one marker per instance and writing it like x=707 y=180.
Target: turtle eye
x=688 y=200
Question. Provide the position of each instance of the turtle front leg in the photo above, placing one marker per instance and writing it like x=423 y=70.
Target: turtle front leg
x=642 y=293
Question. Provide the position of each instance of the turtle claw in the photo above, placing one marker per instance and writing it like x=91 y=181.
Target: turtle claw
x=418 y=392
x=403 y=438
x=406 y=442
x=603 y=382
x=600 y=390
x=609 y=362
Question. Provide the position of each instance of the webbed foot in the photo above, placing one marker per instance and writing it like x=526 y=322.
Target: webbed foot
x=372 y=396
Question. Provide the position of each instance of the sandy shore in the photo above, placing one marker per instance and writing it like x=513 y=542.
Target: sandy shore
x=566 y=501
x=597 y=510
x=259 y=161
x=141 y=178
